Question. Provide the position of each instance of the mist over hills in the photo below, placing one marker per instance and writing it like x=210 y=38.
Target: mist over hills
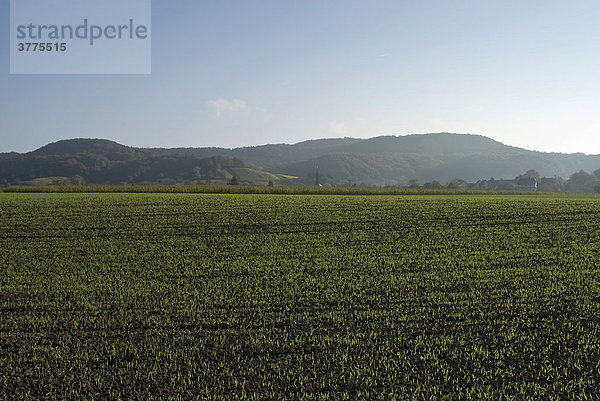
x=384 y=160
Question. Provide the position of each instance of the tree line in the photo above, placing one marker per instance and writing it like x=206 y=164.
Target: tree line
x=531 y=180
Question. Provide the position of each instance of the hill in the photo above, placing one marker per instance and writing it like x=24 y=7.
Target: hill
x=384 y=160
x=109 y=149
x=98 y=161
x=394 y=160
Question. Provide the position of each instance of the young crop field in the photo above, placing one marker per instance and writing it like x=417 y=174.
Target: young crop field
x=292 y=297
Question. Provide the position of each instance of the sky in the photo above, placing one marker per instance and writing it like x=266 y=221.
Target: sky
x=245 y=72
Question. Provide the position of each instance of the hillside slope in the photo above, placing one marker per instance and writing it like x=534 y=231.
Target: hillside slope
x=99 y=161
x=384 y=160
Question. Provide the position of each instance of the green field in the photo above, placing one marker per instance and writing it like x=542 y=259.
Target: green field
x=321 y=297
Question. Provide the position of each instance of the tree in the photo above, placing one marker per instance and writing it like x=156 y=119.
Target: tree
x=413 y=183
x=552 y=184
x=234 y=181
x=456 y=184
x=197 y=173
x=76 y=180
x=270 y=183
x=435 y=184
x=531 y=174
x=581 y=182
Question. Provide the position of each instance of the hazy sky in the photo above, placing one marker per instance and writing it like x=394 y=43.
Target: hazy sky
x=233 y=73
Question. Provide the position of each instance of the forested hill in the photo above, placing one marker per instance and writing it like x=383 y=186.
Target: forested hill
x=385 y=160
x=99 y=161
x=394 y=160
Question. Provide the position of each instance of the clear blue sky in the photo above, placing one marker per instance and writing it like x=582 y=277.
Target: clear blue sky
x=233 y=73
